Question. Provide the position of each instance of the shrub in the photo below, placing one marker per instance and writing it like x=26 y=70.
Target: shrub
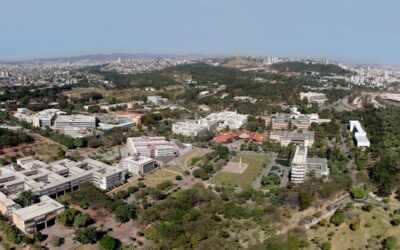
x=390 y=243
x=367 y=208
x=323 y=222
x=86 y=235
x=326 y=246
x=200 y=173
x=55 y=241
x=82 y=220
x=109 y=243
x=355 y=225
x=395 y=221
x=338 y=218
x=178 y=177
x=358 y=193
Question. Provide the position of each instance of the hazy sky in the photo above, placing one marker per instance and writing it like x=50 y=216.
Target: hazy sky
x=356 y=30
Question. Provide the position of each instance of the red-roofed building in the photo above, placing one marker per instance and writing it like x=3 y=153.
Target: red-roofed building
x=246 y=135
x=225 y=137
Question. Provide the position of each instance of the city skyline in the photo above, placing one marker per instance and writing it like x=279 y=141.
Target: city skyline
x=339 y=31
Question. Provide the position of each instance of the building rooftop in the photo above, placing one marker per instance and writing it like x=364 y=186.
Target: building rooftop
x=46 y=205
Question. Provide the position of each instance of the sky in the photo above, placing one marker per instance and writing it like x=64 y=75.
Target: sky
x=351 y=30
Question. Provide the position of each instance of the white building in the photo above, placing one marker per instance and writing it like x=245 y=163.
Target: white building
x=319 y=98
x=151 y=147
x=78 y=121
x=154 y=99
x=305 y=138
x=137 y=164
x=301 y=166
x=37 y=216
x=360 y=135
x=298 y=168
x=46 y=117
x=60 y=176
x=198 y=127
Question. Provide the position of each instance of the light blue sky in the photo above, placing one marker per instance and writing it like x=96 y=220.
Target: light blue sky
x=356 y=30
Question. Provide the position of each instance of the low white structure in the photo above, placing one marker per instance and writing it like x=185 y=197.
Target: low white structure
x=150 y=146
x=360 y=135
x=137 y=164
x=319 y=98
x=215 y=120
x=155 y=100
x=305 y=138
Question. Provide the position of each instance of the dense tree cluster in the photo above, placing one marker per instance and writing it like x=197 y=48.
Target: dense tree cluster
x=10 y=138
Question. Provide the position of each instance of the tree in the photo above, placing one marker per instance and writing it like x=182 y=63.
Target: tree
x=67 y=217
x=28 y=198
x=109 y=243
x=386 y=174
x=358 y=193
x=338 y=218
x=86 y=235
x=82 y=220
x=305 y=200
x=125 y=212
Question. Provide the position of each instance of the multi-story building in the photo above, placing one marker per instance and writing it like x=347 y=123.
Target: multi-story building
x=360 y=135
x=189 y=128
x=298 y=168
x=45 y=118
x=137 y=164
x=305 y=138
x=59 y=177
x=319 y=98
x=233 y=120
x=301 y=166
x=78 y=121
x=151 y=147
x=7 y=205
x=49 y=181
x=37 y=216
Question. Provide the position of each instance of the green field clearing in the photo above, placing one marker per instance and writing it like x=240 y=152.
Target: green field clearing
x=194 y=153
x=175 y=168
x=255 y=162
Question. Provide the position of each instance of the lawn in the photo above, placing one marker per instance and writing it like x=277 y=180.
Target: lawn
x=379 y=225
x=255 y=162
x=194 y=153
x=175 y=168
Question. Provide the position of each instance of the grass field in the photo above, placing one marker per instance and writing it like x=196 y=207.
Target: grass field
x=378 y=224
x=255 y=162
x=194 y=153
x=175 y=168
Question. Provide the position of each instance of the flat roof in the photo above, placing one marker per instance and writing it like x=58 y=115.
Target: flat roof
x=45 y=206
